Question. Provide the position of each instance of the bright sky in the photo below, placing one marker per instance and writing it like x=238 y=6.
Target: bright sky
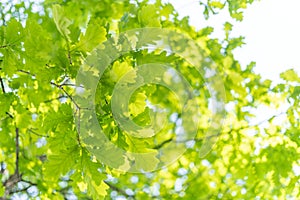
x=271 y=29
x=272 y=35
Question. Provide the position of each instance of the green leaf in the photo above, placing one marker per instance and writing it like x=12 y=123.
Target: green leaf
x=60 y=163
x=40 y=45
x=235 y=42
x=147 y=162
x=94 y=36
x=120 y=69
x=64 y=115
x=296 y=92
x=10 y=62
x=50 y=41
x=290 y=75
x=2 y=190
x=227 y=28
x=96 y=188
x=216 y=4
x=138 y=105
x=14 y=32
x=148 y=16
x=61 y=21
x=238 y=16
x=5 y=103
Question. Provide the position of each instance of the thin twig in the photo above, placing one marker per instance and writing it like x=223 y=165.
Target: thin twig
x=2 y=167
x=163 y=143
x=37 y=134
x=69 y=57
x=69 y=96
x=77 y=108
x=26 y=72
x=68 y=49
x=78 y=132
x=215 y=135
x=25 y=188
x=57 y=98
x=72 y=85
x=10 y=115
x=13 y=179
x=10 y=183
x=119 y=190
x=17 y=152
x=28 y=182
x=6 y=45
x=2 y=85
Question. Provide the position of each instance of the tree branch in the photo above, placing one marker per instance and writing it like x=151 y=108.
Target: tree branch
x=6 y=45
x=163 y=143
x=78 y=132
x=10 y=115
x=76 y=105
x=71 y=84
x=2 y=85
x=37 y=134
x=10 y=183
x=30 y=184
x=57 y=98
x=2 y=167
x=17 y=152
x=119 y=190
x=26 y=72
x=69 y=96
x=215 y=135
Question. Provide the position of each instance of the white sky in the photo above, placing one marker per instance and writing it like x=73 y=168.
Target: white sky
x=271 y=29
x=272 y=35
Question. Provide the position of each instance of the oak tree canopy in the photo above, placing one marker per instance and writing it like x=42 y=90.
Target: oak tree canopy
x=124 y=99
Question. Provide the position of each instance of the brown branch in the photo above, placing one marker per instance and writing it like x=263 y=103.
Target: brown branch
x=68 y=50
x=69 y=96
x=21 y=190
x=37 y=134
x=30 y=184
x=10 y=183
x=78 y=132
x=72 y=85
x=15 y=178
x=2 y=85
x=26 y=72
x=6 y=45
x=119 y=190
x=183 y=141
x=2 y=167
x=17 y=152
x=10 y=115
x=69 y=57
x=163 y=143
x=57 y=98
x=77 y=107
x=215 y=135
x=258 y=124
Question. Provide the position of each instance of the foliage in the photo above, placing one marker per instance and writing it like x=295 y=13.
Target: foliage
x=44 y=154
